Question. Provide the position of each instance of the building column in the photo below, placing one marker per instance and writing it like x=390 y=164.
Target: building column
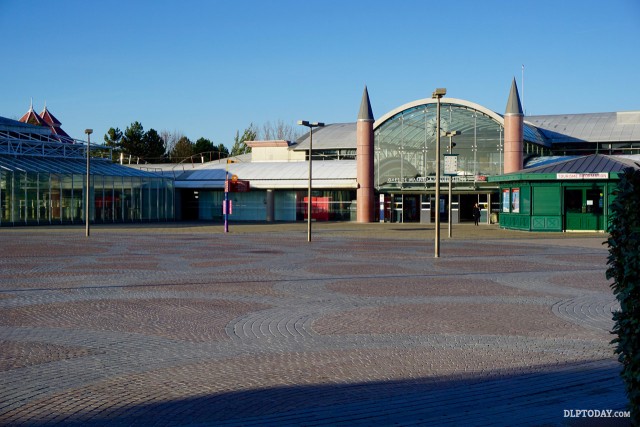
x=513 y=132
x=364 y=160
x=270 y=202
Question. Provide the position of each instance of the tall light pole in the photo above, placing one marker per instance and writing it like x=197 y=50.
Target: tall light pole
x=437 y=94
x=88 y=199
x=451 y=134
x=310 y=125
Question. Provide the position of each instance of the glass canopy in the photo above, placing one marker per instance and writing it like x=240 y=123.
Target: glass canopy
x=405 y=145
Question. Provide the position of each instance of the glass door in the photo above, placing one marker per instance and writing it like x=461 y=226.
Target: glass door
x=583 y=208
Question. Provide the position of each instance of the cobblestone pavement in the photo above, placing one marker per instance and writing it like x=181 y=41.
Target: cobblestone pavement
x=185 y=325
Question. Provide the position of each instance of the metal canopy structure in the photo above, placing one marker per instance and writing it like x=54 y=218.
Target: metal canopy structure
x=68 y=166
x=43 y=180
x=593 y=127
x=275 y=175
x=24 y=139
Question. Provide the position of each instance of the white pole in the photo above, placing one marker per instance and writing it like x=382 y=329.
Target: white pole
x=523 y=107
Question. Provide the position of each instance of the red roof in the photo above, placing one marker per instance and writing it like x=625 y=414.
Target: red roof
x=33 y=119
x=61 y=134
x=49 y=118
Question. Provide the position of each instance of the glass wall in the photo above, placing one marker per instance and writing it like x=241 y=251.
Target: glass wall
x=289 y=205
x=285 y=205
x=5 y=196
x=250 y=206
x=405 y=146
x=326 y=205
x=50 y=198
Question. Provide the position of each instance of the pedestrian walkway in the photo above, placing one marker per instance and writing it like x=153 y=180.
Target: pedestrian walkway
x=182 y=324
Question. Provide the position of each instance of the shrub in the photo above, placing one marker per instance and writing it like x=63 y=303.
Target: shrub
x=624 y=268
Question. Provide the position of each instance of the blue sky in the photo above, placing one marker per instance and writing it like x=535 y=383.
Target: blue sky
x=210 y=68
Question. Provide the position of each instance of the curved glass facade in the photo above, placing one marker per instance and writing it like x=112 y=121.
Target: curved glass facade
x=405 y=146
x=53 y=191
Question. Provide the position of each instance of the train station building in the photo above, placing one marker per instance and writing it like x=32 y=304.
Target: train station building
x=368 y=170
x=386 y=166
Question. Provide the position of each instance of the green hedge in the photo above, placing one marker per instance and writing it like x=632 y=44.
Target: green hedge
x=624 y=269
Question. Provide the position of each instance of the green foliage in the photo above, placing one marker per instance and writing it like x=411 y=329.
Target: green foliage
x=223 y=150
x=203 y=145
x=112 y=139
x=148 y=146
x=624 y=269
x=182 y=150
x=132 y=140
x=154 y=147
x=240 y=142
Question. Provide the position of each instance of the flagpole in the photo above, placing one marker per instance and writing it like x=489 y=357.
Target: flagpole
x=523 y=106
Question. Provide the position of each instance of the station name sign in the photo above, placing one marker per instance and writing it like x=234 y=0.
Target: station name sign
x=595 y=175
x=431 y=179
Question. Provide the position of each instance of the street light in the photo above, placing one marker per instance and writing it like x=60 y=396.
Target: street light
x=437 y=94
x=451 y=134
x=86 y=209
x=310 y=125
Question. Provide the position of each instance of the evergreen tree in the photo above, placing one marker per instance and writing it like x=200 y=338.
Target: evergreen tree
x=223 y=150
x=132 y=142
x=240 y=142
x=182 y=150
x=203 y=145
x=113 y=138
x=154 y=147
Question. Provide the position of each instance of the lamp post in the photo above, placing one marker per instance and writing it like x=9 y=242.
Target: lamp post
x=437 y=94
x=88 y=199
x=451 y=134
x=310 y=125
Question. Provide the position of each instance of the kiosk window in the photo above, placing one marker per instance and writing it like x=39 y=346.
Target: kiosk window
x=573 y=201
x=594 y=201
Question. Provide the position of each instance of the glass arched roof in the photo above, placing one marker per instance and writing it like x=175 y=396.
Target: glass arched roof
x=405 y=140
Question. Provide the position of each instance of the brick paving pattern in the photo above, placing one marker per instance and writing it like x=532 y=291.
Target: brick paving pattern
x=180 y=324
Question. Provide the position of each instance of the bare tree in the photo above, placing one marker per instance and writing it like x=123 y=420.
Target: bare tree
x=170 y=139
x=279 y=130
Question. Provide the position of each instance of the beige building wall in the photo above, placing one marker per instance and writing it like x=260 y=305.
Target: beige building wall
x=274 y=151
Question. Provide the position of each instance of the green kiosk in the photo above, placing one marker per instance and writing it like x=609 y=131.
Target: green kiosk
x=568 y=195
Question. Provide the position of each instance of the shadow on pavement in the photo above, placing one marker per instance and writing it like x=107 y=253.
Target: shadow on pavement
x=541 y=397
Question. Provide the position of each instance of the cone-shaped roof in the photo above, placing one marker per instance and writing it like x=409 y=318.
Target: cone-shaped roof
x=61 y=134
x=49 y=118
x=513 y=104
x=32 y=118
x=365 y=107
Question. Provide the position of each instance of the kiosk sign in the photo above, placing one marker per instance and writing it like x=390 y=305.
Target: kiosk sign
x=451 y=164
x=595 y=175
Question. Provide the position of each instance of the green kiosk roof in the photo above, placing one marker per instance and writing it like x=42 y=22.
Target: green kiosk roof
x=595 y=166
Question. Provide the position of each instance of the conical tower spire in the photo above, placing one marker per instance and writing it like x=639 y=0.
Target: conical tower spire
x=364 y=161
x=513 y=132
x=365 y=107
x=514 y=107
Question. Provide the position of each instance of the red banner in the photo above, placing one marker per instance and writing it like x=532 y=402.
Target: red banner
x=319 y=208
x=237 y=186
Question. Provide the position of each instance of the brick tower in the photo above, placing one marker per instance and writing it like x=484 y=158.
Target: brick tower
x=364 y=159
x=513 y=131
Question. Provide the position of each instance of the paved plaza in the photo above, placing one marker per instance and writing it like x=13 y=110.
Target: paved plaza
x=184 y=325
